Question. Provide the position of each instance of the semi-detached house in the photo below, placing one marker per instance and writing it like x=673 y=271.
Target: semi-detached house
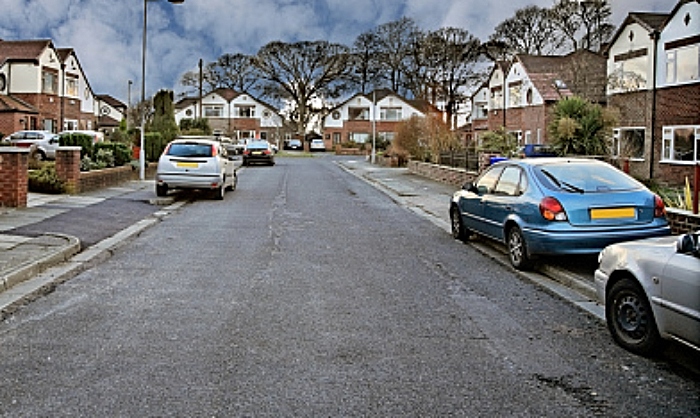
x=379 y=112
x=653 y=64
x=44 y=87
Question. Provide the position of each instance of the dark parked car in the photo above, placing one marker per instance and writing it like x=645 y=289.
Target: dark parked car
x=651 y=292
x=258 y=152
x=536 y=150
x=539 y=206
x=294 y=144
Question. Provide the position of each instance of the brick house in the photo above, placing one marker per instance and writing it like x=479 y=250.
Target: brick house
x=523 y=92
x=111 y=112
x=238 y=115
x=381 y=111
x=653 y=65
x=43 y=87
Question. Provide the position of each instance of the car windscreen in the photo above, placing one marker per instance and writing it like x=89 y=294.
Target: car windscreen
x=190 y=149
x=584 y=177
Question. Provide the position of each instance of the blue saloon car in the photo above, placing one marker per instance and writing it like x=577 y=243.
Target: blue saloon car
x=556 y=206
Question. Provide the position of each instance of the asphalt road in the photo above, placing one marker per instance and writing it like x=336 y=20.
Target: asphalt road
x=307 y=292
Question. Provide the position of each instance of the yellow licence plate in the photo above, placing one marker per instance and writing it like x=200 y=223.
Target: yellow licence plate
x=187 y=165
x=257 y=153
x=616 y=213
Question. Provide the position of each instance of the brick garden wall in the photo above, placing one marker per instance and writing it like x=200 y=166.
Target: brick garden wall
x=13 y=177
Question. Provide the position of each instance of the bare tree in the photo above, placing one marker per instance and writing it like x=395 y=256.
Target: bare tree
x=234 y=71
x=397 y=41
x=451 y=56
x=366 y=61
x=529 y=31
x=299 y=72
x=585 y=24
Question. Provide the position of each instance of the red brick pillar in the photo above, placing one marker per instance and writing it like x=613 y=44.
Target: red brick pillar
x=13 y=176
x=68 y=168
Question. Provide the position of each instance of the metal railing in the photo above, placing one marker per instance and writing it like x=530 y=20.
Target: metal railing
x=460 y=159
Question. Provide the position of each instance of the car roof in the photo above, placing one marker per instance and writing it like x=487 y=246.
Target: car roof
x=539 y=161
x=200 y=140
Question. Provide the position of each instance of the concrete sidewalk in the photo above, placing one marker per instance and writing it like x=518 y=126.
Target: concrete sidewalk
x=34 y=265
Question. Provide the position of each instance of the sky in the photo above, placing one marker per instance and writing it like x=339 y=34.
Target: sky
x=107 y=34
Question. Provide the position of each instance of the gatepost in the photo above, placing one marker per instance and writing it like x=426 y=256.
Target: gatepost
x=14 y=176
x=68 y=168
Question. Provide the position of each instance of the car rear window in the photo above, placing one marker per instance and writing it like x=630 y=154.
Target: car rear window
x=257 y=145
x=584 y=177
x=190 y=149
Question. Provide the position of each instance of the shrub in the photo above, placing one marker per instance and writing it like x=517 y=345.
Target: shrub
x=77 y=140
x=45 y=180
x=121 y=153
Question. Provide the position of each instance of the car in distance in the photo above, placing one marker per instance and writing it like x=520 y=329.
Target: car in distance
x=43 y=143
x=317 y=145
x=196 y=163
x=556 y=206
x=535 y=150
x=294 y=144
x=651 y=292
x=258 y=152
x=96 y=136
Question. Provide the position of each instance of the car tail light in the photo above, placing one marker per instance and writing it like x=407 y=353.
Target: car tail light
x=213 y=151
x=246 y=152
x=659 y=207
x=266 y=152
x=552 y=210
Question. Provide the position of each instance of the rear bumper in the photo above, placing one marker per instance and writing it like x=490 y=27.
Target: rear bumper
x=585 y=242
x=179 y=181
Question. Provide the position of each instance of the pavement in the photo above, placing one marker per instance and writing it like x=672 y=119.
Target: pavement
x=31 y=266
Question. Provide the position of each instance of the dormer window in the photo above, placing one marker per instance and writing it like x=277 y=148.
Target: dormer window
x=49 y=81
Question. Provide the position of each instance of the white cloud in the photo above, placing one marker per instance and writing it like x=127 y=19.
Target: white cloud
x=106 y=34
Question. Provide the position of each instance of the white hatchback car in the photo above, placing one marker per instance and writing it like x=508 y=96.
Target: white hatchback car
x=189 y=163
x=317 y=145
x=651 y=292
x=44 y=142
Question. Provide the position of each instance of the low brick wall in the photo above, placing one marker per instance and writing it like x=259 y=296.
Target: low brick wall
x=99 y=179
x=441 y=173
x=681 y=221
x=13 y=177
x=349 y=151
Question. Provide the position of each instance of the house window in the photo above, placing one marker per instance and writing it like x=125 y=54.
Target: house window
x=245 y=134
x=359 y=137
x=336 y=137
x=681 y=143
x=245 y=111
x=49 y=82
x=496 y=98
x=390 y=113
x=387 y=136
x=515 y=97
x=72 y=86
x=358 y=113
x=628 y=143
x=213 y=111
x=630 y=74
x=683 y=64
x=528 y=137
x=49 y=125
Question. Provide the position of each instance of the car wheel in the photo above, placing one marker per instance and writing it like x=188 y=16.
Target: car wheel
x=161 y=190
x=219 y=192
x=517 y=249
x=630 y=319
x=458 y=230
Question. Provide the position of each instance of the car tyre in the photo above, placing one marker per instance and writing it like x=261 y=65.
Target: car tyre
x=219 y=192
x=630 y=319
x=459 y=231
x=161 y=190
x=517 y=249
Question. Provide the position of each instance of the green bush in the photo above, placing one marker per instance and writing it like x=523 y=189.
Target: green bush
x=83 y=141
x=155 y=144
x=121 y=153
x=45 y=180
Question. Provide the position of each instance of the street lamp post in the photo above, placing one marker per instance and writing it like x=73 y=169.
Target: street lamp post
x=142 y=151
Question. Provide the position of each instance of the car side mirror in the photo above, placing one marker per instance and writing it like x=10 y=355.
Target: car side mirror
x=687 y=244
x=470 y=187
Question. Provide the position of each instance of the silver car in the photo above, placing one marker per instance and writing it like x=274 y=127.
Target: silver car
x=43 y=144
x=651 y=292
x=189 y=163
